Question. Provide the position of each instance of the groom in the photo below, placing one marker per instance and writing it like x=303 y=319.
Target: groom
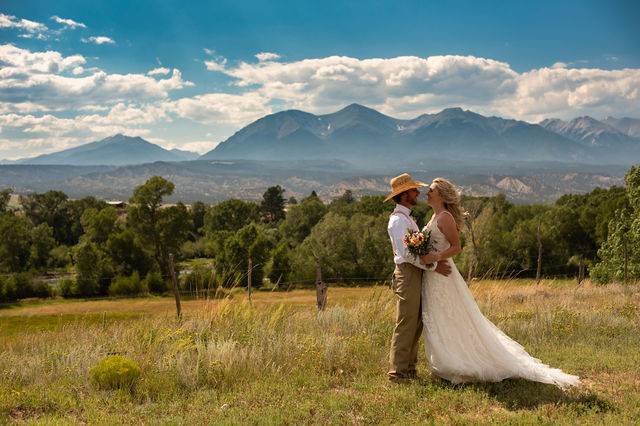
x=407 y=280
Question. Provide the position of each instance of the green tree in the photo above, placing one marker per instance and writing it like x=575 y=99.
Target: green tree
x=233 y=262
x=280 y=267
x=5 y=197
x=230 y=215
x=42 y=242
x=301 y=219
x=198 y=211
x=87 y=259
x=346 y=248
x=15 y=243
x=272 y=205
x=50 y=208
x=162 y=229
x=622 y=246
x=128 y=254
x=98 y=225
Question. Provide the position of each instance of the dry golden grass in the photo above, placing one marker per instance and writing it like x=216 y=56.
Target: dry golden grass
x=278 y=361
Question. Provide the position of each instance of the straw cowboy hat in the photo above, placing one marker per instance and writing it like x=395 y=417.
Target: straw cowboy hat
x=402 y=183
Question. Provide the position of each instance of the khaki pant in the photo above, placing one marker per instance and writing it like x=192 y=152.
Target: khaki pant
x=407 y=286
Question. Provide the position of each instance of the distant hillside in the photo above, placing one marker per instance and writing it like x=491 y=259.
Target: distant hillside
x=628 y=126
x=367 y=138
x=217 y=180
x=606 y=141
x=115 y=150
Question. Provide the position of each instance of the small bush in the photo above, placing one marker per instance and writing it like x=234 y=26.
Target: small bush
x=115 y=372
x=194 y=249
x=127 y=286
x=66 y=288
x=154 y=282
x=60 y=257
x=40 y=289
x=8 y=291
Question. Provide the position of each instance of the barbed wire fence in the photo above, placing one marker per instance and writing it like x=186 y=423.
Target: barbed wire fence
x=207 y=282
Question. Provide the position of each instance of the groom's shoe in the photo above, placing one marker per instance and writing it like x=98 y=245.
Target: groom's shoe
x=398 y=379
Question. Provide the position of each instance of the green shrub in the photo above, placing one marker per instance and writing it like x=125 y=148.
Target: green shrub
x=115 y=372
x=8 y=291
x=127 y=286
x=66 y=288
x=154 y=282
x=60 y=257
x=194 y=249
x=40 y=289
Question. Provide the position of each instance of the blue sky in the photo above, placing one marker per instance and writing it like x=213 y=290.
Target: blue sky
x=525 y=60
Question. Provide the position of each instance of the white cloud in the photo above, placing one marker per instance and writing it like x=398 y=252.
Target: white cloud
x=98 y=40
x=69 y=23
x=159 y=71
x=267 y=56
x=215 y=108
x=407 y=86
x=217 y=64
x=200 y=147
x=48 y=81
x=9 y=21
x=209 y=52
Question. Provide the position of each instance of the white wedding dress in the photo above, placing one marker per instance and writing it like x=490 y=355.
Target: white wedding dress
x=464 y=346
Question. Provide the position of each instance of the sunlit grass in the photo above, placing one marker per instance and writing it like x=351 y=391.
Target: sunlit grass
x=278 y=361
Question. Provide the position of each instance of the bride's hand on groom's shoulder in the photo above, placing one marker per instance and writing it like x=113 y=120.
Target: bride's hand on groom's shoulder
x=443 y=268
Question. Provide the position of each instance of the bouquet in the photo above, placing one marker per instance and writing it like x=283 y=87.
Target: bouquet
x=418 y=242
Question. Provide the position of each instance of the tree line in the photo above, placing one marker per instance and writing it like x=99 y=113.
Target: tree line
x=110 y=251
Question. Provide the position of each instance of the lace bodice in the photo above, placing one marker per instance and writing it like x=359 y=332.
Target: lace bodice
x=440 y=242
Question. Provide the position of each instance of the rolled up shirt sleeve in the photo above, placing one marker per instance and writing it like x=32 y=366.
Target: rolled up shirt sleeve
x=397 y=229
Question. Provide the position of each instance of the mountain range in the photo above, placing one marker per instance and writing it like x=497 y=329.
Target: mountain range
x=115 y=150
x=372 y=141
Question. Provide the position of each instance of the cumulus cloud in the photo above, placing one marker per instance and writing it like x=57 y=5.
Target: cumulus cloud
x=49 y=81
x=37 y=134
x=267 y=56
x=198 y=146
x=9 y=21
x=217 y=64
x=68 y=23
x=407 y=86
x=215 y=108
x=159 y=71
x=98 y=40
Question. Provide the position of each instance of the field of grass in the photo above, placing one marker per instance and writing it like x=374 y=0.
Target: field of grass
x=278 y=361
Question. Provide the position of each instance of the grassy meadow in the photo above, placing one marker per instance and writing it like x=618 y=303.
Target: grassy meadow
x=277 y=361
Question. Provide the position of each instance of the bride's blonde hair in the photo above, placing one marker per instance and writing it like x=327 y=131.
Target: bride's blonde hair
x=451 y=199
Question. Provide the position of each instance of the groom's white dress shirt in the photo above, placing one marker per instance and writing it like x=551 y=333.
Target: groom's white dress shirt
x=400 y=222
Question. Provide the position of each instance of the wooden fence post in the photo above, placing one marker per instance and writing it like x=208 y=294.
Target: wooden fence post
x=176 y=292
x=249 y=278
x=321 y=287
x=539 y=268
x=626 y=257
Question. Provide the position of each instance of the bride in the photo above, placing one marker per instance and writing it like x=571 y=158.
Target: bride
x=461 y=344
